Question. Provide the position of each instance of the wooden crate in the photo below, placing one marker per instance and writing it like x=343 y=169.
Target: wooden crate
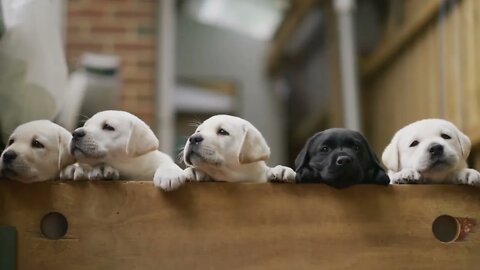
x=132 y=225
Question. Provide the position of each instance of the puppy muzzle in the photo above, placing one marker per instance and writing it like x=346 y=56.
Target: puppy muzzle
x=9 y=157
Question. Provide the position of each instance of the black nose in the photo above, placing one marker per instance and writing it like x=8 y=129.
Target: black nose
x=195 y=139
x=9 y=156
x=79 y=133
x=436 y=149
x=343 y=160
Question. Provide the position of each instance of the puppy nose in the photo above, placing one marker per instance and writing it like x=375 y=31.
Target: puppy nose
x=9 y=156
x=343 y=160
x=79 y=133
x=436 y=149
x=195 y=139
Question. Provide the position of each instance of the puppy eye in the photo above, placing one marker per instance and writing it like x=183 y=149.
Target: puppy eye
x=108 y=127
x=445 y=136
x=324 y=149
x=222 y=132
x=37 y=144
x=356 y=147
x=414 y=143
x=10 y=142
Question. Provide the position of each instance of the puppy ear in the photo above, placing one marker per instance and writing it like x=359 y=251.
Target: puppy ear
x=304 y=173
x=65 y=158
x=141 y=139
x=303 y=157
x=375 y=173
x=253 y=147
x=390 y=156
x=465 y=144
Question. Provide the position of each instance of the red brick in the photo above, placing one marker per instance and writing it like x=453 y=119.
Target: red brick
x=133 y=46
x=133 y=14
x=146 y=64
x=108 y=29
x=88 y=13
x=138 y=80
x=85 y=46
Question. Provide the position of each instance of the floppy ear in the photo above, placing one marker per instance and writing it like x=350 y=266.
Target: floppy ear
x=375 y=174
x=465 y=144
x=390 y=156
x=303 y=157
x=304 y=174
x=253 y=147
x=65 y=158
x=141 y=139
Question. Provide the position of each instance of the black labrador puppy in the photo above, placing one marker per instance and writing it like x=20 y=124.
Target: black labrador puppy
x=340 y=158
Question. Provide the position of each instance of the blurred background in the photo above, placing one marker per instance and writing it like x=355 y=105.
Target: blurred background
x=291 y=67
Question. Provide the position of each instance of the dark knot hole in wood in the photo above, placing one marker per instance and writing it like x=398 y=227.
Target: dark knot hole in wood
x=449 y=229
x=54 y=225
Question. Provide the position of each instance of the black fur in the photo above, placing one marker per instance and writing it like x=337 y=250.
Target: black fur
x=340 y=158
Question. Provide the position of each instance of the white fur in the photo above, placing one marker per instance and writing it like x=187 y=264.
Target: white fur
x=131 y=148
x=35 y=164
x=412 y=164
x=237 y=157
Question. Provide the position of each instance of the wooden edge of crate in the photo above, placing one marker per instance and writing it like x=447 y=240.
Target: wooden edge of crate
x=133 y=225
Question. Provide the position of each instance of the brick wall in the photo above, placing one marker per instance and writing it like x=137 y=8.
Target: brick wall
x=125 y=28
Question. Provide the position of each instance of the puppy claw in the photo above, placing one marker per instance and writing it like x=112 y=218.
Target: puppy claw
x=406 y=176
x=169 y=179
x=281 y=174
x=469 y=177
x=103 y=172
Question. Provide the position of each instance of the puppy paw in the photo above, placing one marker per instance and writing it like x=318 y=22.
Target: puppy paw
x=103 y=172
x=196 y=175
x=281 y=174
x=468 y=177
x=169 y=179
x=73 y=172
x=406 y=177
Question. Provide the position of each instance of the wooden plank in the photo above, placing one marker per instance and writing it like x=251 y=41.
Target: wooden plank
x=391 y=46
x=132 y=225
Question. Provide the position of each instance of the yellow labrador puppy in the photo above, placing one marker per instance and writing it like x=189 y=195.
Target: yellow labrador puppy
x=429 y=151
x=36 y=151
x=117 y=144
x=226 y=148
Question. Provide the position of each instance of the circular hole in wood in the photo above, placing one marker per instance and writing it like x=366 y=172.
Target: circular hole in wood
x=446 y=228
x=54 y=225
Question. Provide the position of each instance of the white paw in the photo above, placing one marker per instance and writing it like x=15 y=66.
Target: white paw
x=469 y=177
x=405 y=176
x=73 y=172
x=169 y=179
x=103 y=172
x=281 y=174
x=196 y=175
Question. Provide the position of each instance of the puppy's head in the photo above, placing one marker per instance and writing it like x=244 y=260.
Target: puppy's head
x=225 y=140
x=36 y=151
x=112 y=135
x=340 y=158
x=433 y=147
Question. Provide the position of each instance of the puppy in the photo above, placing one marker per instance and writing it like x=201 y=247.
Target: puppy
x=228 y=148
x=339 y=158
x=429 y=151
x=120 y=140
x=37 y=151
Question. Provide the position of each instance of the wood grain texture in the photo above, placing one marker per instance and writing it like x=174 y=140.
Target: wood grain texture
x=132 y=225
x=392 y=44
x=433 y=76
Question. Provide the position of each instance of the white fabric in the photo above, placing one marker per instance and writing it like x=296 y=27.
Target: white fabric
x=33 y=70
